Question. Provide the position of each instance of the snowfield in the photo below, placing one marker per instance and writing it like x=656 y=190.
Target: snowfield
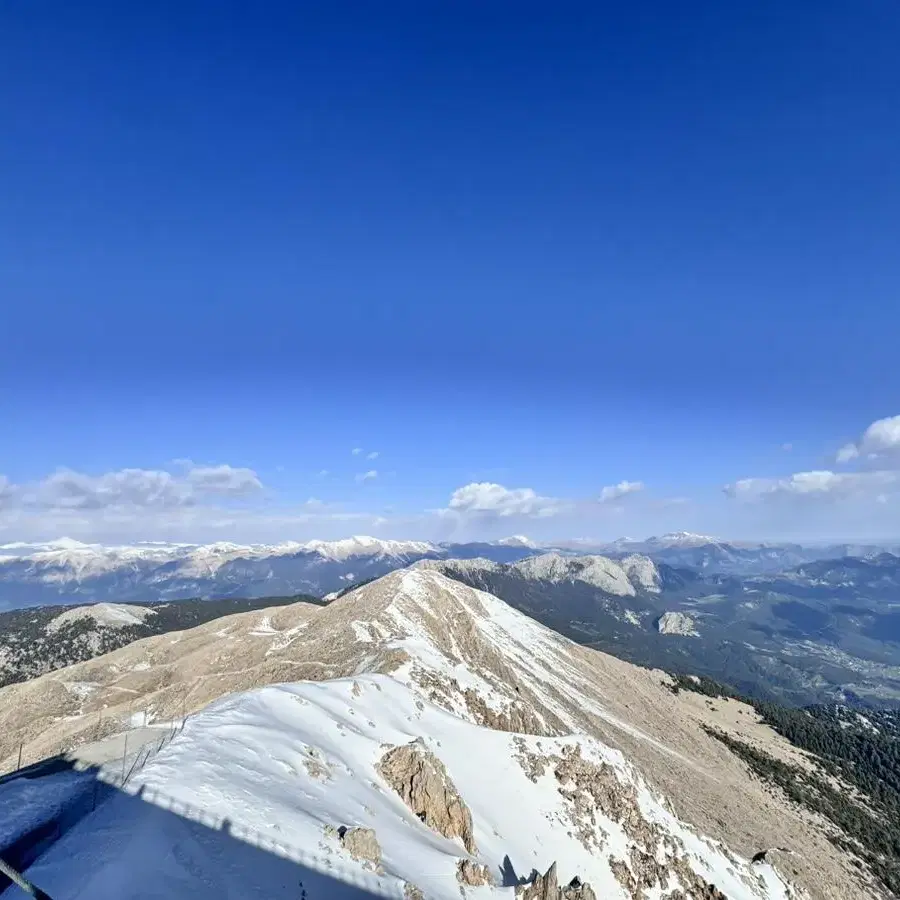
x=288 y=765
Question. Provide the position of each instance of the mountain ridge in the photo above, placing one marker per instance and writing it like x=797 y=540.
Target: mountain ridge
x=68 y=571
x=468 y=654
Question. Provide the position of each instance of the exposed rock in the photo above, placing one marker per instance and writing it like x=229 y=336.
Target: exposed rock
x=647 y=872
x=412 y=892
x=316 y=767
x=546 y=887
x=518 y=717
x=533 y=764
x=577 y=889
x=590 y=786
x=361 y=843
x=423 y=784
x=472 y=873
x=695 y=886
x=677 y=623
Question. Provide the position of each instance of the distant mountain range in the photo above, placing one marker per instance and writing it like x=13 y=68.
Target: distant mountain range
x=67 y=571
x=711 y=554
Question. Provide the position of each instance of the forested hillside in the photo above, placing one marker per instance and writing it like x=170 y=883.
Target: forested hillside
x=857 y=786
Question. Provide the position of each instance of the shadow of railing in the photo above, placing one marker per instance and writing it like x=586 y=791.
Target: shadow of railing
x=130 y=842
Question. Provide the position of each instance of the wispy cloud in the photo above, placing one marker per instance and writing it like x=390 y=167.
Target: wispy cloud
x=356 y=451
x=363 y=477
x=139 y=488
x=372 y=455
x=194 y=504
x=811 y=485
x=617 y=491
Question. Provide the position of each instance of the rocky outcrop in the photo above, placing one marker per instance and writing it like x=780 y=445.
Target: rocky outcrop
x=546 y=887
x=424 y=785
x=676 y=623
x=577 y=889
x=472 y=873
x=518 y=716
x=361 y=844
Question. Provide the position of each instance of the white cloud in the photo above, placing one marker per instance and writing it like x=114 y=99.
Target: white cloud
x=489 y=500
x=323 y=473
x=616 y=491
x=186 y=504
x=372 y=455
x=880 y=440
x=846 y=453
x=787 y=447
x=371 y=475
x=822 y=483
x=356 y=451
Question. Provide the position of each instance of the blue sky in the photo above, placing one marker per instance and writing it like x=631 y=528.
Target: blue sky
x=546 y=248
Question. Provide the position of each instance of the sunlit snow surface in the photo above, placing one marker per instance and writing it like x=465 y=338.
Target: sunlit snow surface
x=282 y=763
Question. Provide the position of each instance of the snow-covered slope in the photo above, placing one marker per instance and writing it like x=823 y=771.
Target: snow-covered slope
x=296 y=763
x=500 y=704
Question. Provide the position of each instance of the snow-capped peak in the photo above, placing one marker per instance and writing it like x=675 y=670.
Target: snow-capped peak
x=363 y=545
x=516 y=540
x=66 y=543
x=684 y=539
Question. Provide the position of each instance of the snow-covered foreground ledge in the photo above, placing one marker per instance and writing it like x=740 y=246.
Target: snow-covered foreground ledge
x=250 y=799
